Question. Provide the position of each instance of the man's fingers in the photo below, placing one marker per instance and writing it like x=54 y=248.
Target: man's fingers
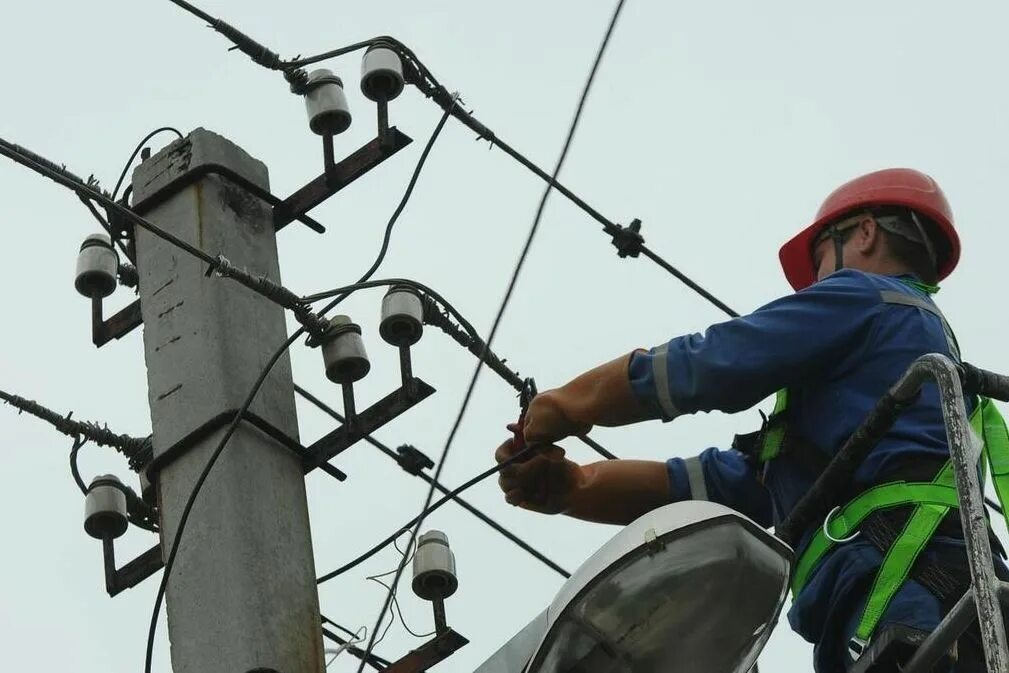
x=515 y=497
x=505 y=451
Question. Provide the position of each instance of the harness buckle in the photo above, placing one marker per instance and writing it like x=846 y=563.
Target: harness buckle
x=856 y=647
x=826 y=529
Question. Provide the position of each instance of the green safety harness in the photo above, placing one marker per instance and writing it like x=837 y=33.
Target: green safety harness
x=931 y=500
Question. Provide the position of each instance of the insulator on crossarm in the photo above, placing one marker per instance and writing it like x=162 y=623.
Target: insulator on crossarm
x=343 y=351
x=105 y=508
x=326 y=102
x=402 y=317
x=97 y=267
x=381 y=74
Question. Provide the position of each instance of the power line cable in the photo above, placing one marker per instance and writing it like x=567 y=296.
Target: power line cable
x=387 y=236
x=504 y=303
x=136 y=449
x=468 y=337
x=233 y=426
x=384 y=449
x=139 y=148
x=435 y=506
x=219 y=264
x=627 y=240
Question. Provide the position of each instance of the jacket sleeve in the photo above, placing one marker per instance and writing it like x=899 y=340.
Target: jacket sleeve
x=736 y=364
x=724 y=477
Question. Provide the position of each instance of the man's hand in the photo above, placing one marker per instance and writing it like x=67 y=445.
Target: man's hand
x=543 y=483
x=547 y=422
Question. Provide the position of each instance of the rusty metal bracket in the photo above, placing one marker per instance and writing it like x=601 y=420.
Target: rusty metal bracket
x=434 y=651
x=133 y=573
x=204 y=170
x=223 y=419
x=365 y=423
x=117 y=326
x=336 y=176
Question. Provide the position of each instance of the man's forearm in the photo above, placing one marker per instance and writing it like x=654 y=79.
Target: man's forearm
x=618 y=491
x=601 y=396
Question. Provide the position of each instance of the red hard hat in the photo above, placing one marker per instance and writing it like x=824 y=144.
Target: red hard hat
x=891 y=187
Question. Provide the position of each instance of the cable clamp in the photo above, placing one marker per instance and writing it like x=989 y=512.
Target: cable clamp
x=628 y=240
x=413 y=460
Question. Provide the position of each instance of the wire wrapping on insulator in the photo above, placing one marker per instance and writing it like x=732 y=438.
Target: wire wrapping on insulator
x=298 y=80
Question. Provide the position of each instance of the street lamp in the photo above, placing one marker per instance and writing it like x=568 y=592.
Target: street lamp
x=692 y=587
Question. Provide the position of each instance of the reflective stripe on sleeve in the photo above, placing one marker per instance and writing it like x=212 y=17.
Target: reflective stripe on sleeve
x=695 y=477
x=661 y=375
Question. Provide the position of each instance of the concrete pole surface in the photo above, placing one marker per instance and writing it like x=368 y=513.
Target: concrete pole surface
x=242 y=594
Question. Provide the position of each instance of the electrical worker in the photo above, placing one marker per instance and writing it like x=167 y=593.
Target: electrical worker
x=864 y=273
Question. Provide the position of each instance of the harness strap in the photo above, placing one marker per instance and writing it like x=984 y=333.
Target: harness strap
x=895 y=297
x=900 y=557
x=847 y=520
x=773 y=434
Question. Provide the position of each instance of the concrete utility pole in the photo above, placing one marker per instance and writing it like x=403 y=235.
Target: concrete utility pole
x=242 y=594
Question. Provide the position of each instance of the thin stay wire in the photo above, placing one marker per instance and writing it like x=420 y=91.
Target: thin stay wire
x=501 y=310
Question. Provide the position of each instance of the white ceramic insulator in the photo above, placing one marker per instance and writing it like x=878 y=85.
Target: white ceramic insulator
x=326 y=103
x=434 y=575
x=402 y=318
x=97 y=267
x=343 y=353
x=381 y=74
x=105 y=508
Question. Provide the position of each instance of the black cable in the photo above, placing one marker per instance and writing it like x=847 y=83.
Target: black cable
x=68 y=180
x=74 y=470
x=501 y=309
x=170 y=562
x=430 y=87
x=260 y=284
x=107 y=227
x=194 y=10
x=521 y=455
x=396 y=213
x=366 y=284
x=140 y=146
x=994 y=505
x=532 y=551
x=232 y=427
x=484 y=353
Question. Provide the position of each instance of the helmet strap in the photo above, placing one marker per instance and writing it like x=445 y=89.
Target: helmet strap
x=838 y=239
x=925 y=240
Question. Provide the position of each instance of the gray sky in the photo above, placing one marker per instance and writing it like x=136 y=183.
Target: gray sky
x=721 y=125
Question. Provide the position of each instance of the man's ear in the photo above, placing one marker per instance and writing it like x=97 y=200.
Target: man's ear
x=868 y=236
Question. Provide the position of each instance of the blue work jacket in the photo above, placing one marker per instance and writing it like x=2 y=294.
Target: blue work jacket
x=837 y=347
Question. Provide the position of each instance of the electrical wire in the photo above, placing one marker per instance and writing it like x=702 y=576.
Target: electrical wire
x=522 y=544
x=435 y=506
x=74 y=470
x=140 y=146
x=428 y=84
x=412 y=551
x=504 y=303
x=217 y=264
x=484 y=353
x=375 y=661
x=387 y=236
x=399 y=611
x=233 y=426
